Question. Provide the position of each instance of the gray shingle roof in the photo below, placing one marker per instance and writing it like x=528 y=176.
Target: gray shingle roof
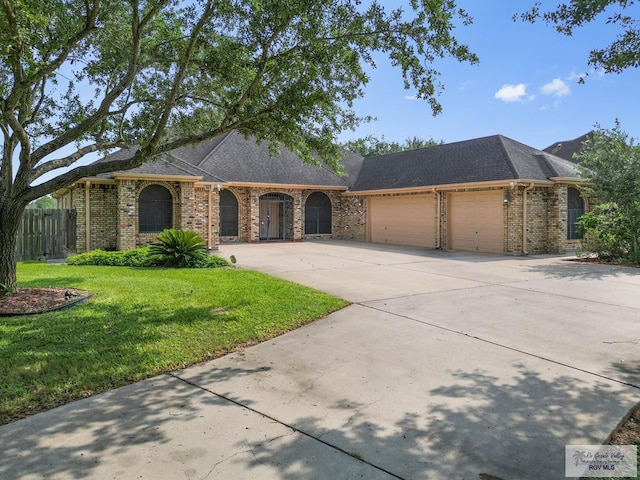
x=234 y=158
x=244 y=160
x=484 y=159
x=568 y=148
x=164 y=164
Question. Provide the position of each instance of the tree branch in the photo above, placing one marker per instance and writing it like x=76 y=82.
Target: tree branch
x=84 y=171
x=102 y=112
x=74 y=157
x=12 y=21
x=178 y=79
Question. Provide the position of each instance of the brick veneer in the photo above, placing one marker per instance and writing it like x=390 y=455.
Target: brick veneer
x=114 y=214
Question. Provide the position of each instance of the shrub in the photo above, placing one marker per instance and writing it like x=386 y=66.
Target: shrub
x=178 y=248
x=146 y=257
x=210 y=261
x=137 y=257
x=606 y=233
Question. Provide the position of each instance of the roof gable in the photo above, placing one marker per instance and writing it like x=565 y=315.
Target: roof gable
x=234 y=158
x=569 y=148
x=244 y=160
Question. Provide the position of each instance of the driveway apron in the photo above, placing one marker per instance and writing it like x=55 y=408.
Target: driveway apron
x=446 y=365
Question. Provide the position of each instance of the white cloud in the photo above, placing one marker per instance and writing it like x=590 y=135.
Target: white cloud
x=410 y=97
x=513 y=93
x=556 y=88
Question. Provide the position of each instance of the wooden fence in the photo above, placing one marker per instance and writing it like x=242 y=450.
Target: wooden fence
x=45 y=234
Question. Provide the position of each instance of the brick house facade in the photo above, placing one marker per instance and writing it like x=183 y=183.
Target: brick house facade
x=529 y=212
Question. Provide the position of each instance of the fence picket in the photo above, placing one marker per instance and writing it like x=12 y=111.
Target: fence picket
x=46 y=233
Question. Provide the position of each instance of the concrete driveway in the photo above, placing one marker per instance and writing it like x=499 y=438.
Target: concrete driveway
x=446 y=365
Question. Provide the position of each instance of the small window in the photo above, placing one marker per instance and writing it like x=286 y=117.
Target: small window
x=155 y=209
x=317 y=214
x=575 y=209
x=228 y=214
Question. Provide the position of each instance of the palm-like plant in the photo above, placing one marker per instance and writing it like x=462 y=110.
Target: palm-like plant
x=179 y=248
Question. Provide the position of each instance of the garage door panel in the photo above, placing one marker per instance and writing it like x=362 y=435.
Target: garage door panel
x=475 y=221
x=403 y=220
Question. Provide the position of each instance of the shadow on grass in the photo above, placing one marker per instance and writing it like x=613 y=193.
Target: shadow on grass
x=57 y=357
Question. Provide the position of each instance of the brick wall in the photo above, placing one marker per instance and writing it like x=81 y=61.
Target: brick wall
x=538 y=220
x=127 y=221
x=103 y=203
x=350 y=218
x=202 y=223
x=114 y=215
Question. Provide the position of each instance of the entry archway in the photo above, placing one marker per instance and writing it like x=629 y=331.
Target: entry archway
x=276 y=217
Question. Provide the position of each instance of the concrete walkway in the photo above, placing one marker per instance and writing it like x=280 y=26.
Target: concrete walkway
x=446 y=365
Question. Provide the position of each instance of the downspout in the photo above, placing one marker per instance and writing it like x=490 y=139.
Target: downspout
x=87 y=216
x=437 y=198
x=209 y=218
x=524 y=218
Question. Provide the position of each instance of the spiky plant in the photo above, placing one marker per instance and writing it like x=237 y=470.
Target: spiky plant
x=178 y=248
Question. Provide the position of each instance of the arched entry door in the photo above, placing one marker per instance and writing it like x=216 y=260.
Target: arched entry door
x=276 y=217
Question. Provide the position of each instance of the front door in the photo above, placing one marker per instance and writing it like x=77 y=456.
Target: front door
x=275 y=210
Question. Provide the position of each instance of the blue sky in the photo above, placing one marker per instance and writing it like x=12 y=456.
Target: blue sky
x=525 y=87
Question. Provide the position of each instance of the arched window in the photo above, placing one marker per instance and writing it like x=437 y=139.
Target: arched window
x=155 y=209
x=317 y=214
x=575 y=209
x=228 y=214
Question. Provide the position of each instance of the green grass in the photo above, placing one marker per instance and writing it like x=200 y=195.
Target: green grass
x=139 y=323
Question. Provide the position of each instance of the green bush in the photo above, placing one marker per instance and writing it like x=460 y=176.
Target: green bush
x=210 y=261
x=140 y=257
x=606 y=233
x=179 y=248
x=175 y=248
x=137 y=257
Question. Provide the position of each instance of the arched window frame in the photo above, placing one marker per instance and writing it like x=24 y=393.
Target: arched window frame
x=228 y=214
x=155 y=209
x=575 y=209
x=317 y=214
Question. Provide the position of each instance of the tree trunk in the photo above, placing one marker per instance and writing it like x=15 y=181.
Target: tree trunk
x=8 y=232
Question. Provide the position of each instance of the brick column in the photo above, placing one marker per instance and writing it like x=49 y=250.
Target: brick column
x=298 y=227
x=126 y=214
x=254 y=228
x=187 y=212
x=558 y=219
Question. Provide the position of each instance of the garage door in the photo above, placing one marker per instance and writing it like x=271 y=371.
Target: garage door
x=475 y=222
x=403 y=220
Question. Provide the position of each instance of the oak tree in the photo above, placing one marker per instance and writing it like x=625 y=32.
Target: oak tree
x=370 y=145
x=621 y=15
x=85 y=77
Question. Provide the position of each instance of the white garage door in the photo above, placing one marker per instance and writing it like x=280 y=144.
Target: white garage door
x=403 y=220
x=474 y=221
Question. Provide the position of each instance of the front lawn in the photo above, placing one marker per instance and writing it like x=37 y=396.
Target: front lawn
x=139 y=323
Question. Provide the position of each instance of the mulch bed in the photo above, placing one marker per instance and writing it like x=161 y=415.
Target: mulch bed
x=29 y=301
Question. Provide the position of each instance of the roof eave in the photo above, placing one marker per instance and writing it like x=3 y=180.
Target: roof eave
x=155 y=176
x=451 y=186
x=568 y=180
x=283 y=186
